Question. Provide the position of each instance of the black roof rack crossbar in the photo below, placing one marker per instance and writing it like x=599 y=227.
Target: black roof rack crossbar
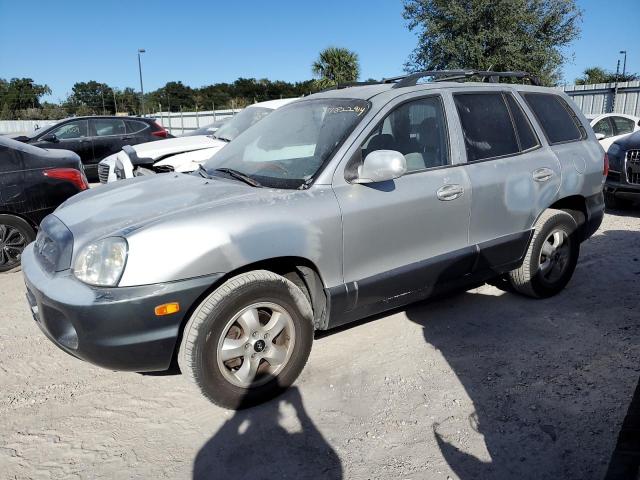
x=453 y=75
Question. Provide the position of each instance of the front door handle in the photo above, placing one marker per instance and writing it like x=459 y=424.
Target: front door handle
x=543 y=174
x=450 y=192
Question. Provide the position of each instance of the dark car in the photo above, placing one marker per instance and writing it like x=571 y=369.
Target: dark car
x=33 y=182
x=94 y=138
x=622 y=186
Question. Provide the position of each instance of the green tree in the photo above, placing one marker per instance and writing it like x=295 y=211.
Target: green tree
x=336 y=65
x=600 y=75
x=20 y=94
x=498 y=35
x=93 y=97
x=173 y=97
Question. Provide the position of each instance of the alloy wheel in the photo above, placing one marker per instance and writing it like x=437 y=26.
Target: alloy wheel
x=554 y=256
x=12 y=243
x=256 y=344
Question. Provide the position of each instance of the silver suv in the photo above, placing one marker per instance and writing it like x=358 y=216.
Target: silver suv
x=335 y=207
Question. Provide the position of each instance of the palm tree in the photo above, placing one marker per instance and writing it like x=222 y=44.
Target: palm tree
x=336 y=65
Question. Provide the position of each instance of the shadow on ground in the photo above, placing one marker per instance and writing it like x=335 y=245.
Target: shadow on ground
x=254 y=444
x=539 y=371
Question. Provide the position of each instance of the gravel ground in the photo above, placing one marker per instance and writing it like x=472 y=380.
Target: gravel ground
x=481 y=384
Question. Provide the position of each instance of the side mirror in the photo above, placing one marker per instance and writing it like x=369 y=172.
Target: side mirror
x=51 y=137
x=600 y=136
x=381 y=166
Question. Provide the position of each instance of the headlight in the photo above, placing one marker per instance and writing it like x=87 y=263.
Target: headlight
x=101 y=263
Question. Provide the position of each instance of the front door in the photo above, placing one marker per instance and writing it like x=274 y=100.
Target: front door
x=72 y=135
x=404 y=237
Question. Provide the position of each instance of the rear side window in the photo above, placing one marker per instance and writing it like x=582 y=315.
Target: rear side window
x=526 y=135
x=486 y=125
x=108 y=126
x=135 y=126
x=556 y=118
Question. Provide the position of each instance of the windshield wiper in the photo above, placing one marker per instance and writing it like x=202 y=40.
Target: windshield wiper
x=224 y=139
x=239 y=176
x=203 y=172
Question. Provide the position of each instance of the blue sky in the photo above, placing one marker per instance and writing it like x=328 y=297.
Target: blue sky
x=204 y=42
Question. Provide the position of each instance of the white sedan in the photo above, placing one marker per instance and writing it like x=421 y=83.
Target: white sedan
x=609 y=127
x=182 y=154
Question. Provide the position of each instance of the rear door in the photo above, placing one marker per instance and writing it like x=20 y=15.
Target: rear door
x=513 y=176
x=11 y=179
x=109 y=136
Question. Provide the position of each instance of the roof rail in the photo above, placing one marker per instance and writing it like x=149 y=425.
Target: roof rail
x=340 y=86
x=453 y=75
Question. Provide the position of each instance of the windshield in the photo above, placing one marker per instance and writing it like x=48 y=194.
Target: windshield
x=289 y=147
x=241 y=121
x=209 y=129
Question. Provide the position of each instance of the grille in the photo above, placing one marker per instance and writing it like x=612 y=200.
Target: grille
x=103 y=173
x=633 y=167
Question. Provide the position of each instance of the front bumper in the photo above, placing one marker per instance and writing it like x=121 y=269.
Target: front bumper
x=115 y=328
x=622 y=189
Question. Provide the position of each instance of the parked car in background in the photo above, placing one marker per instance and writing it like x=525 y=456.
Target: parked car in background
x=94 y=138
x=210 y=129
x=182 y=154
x=33 y=182
x=335 y=207
x=610 y=127
x=622 y=187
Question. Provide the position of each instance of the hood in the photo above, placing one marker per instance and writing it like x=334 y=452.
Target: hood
x=123 y=207
x=189 y=161
x=171 y=146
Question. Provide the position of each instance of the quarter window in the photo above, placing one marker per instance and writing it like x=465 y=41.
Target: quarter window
x=418 y=130
x=623 y=125
x=556 y=118
x=108 y=126
x=486 y=125
x=76 y=129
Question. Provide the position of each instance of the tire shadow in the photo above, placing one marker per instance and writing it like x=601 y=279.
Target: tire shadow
x=254 y=444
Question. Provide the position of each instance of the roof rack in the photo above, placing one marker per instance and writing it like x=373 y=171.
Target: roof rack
x=340 y=86
x=453 y=75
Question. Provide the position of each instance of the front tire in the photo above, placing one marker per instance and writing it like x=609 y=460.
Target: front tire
x=249 y=340
x=551 y=258
x=15 y=235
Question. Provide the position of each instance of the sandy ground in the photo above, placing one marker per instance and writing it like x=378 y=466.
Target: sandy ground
x=482 y=384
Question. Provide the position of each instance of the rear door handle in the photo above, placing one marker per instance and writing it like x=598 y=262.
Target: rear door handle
x=127 y=137
x=449 y=192
x=542 y=174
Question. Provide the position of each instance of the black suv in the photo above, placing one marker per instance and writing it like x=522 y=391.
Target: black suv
x=622 y=187
x=94 y=138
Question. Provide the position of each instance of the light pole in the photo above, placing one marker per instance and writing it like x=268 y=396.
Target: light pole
x=141 y=50
x=624 y=65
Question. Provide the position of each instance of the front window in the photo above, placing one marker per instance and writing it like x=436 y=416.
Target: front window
x=75 y=129
x=289 y=147
x=240 y=122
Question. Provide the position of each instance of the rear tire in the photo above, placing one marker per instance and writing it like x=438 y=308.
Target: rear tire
x=551 y=258
x=249 y=340
x=15 y=235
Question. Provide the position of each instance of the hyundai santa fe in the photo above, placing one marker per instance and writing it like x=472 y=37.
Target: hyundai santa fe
x=335 y=207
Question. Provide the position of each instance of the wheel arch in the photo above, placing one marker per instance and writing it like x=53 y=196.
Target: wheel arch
x=301 y=271
x=29 y=221
x=576 y=206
